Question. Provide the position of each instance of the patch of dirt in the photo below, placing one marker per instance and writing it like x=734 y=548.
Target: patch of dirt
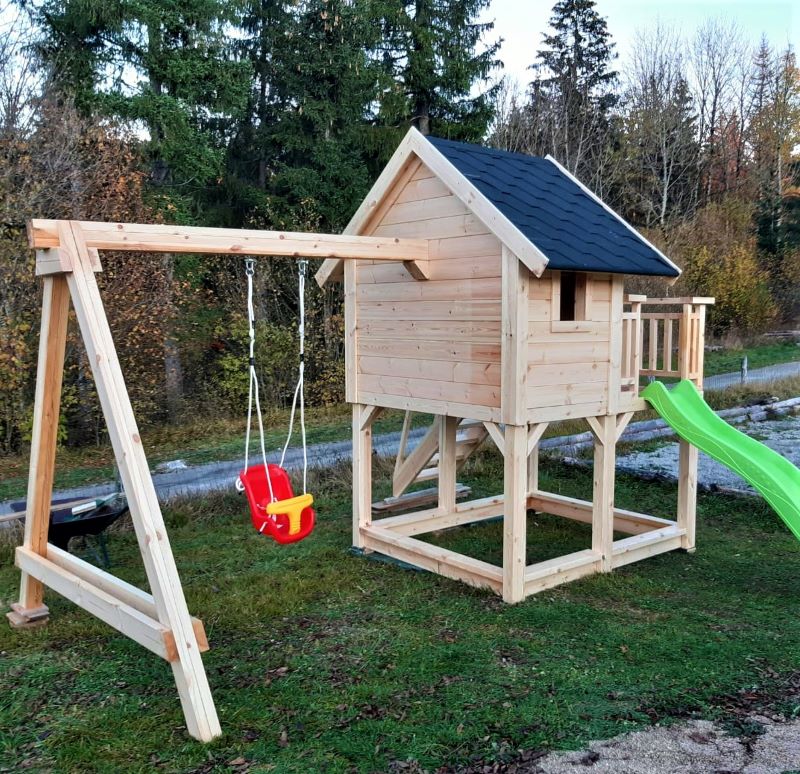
x=753 y=737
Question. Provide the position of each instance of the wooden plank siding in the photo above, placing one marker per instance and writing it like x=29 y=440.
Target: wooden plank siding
x=439 y=339
x=568 y=370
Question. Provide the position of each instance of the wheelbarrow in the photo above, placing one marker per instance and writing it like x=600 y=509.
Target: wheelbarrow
x=80 y=518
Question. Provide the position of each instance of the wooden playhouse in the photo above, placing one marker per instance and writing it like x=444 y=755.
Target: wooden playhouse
x=518 y=319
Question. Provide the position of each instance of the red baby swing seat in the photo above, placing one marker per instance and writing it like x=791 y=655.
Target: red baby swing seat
x=286 y=519
x=274 y=509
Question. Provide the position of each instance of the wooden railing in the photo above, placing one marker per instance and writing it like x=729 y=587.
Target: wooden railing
x=663 y=343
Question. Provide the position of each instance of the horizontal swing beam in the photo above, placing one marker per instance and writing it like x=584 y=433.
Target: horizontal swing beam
x=43 y=234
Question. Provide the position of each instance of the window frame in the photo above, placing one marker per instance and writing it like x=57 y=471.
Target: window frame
x=583 y=304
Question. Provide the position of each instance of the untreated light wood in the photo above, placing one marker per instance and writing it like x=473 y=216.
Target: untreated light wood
x=447 y=463
x=417 y=459
x=515 y=489
x=514 y=343
x=535 y=433
x=351 y=321
x=645 y=545
x=139 y=237
x=433 y=558
x=363 y=417
x=120 y=590
x=431 y=519
x=162 y=574
x=44 y=438
x=497 y=436
x=603 y=489
x=629 y=522
x=142 y=628
x=553 y=572
x=687 y=492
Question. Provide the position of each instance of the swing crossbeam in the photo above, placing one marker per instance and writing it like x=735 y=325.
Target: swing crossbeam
x=137 y=237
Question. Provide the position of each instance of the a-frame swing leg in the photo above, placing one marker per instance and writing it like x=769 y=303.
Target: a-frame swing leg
x=31 y=610
x=162 y=574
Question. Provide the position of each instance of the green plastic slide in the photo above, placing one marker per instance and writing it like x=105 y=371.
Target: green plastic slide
x=694 y=420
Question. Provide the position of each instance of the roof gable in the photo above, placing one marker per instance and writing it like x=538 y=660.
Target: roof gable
x=561 y=217
x=541 y=212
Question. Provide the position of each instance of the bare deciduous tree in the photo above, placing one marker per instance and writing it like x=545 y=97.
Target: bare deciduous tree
x=660 y=127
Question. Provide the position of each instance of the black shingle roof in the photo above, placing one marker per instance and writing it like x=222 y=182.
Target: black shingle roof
x=575 y=232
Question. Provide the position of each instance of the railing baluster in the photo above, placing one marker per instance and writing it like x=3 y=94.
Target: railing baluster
x=667 y=357
x=653 y=342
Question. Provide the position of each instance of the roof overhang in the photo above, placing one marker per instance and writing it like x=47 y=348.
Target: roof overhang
x=590 y=193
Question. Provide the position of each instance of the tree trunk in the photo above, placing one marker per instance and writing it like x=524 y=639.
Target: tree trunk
x=422 y=102
x=173 y=370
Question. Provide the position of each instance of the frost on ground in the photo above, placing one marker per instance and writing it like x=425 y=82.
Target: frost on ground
x=697 y=747
x=782 y=435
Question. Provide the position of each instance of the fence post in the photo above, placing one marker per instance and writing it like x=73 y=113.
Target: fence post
x=744 y=369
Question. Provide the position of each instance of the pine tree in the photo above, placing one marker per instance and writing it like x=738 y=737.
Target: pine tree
x=312 y=133
x=165 y=65
x=573 y=94
x=434 y=60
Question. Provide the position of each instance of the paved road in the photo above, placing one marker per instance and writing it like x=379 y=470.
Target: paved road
x=767 y=374
x=220 y=476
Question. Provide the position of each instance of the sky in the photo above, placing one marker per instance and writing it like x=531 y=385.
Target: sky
x=521 y=23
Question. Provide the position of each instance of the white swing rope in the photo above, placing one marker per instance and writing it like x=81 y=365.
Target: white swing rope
x=250 y=270
x=302 y=271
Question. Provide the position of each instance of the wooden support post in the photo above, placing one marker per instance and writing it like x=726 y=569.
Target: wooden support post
x=687 y=493
x=447 y=463
x=515 y=514
x=363 y=417
x=701 y=343
x=514 y=341
x=605 y=437
x=162 y=574
x=615 y=343
x=52 y=343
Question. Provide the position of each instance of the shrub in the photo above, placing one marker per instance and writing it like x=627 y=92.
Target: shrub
x=734 y=278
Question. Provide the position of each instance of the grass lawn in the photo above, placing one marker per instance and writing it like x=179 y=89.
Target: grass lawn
x=724 y=361
x=325 y=662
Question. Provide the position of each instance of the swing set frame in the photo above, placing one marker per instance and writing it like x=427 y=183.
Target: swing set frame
x=67 y=259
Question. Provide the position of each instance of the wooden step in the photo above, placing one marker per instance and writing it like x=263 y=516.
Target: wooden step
x=415 y=499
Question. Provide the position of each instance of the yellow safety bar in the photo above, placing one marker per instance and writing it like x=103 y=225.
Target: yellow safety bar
x=293 y=508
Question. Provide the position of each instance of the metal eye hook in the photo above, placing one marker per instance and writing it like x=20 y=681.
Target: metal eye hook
x=250 y=266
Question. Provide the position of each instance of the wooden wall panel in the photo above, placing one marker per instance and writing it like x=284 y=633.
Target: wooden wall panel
x=437 y=340
x=568 y=369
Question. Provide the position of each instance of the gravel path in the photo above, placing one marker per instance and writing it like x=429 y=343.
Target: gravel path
x=698 y=747
x=782 y=435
